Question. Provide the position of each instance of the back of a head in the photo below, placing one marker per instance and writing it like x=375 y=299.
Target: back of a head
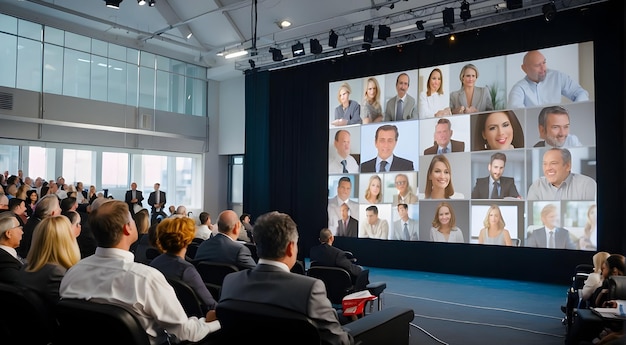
x=203 y=217
x=182 y=210
x=325 y=235
x=14 y=203
x=226 y=221
x=272 y=233
x=616 y=262
x=174 y=234
x=53 y=242
x=46 y=206
x=598 y=259
x=107 y=222
x=67 y=203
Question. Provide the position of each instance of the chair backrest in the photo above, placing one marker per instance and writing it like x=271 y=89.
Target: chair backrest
x=213 y=273
x=252 y=248
x=192 y=249
x=617 y=287
x=26 y=318
x=105 y=323
x=187 y=297
x=337 y=280
x=264 y=323
x=298 y=268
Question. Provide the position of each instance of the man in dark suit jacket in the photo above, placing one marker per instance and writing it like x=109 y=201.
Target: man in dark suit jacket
x=10 y=237
x=272 y=282
x=385 y=141
x=224 y=247
x=347 y=226
x=540 y=238
x=157 y=203
x=443 y=139
x=133 y=197
x=325 y=254
x=504 y=186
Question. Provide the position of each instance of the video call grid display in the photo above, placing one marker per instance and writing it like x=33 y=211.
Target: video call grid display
x=469 y=160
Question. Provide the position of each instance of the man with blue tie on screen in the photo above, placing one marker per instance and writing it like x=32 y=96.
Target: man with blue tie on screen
x=402 y=106
x=385 y=141
x=550 y=235
x=405 y=228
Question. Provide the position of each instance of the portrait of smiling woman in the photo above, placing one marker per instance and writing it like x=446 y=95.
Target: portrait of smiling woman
x=500 y=130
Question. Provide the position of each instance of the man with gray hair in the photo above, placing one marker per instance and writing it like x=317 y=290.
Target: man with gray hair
x=554 y=128
x=224 y=246
x=10 y=237
x=47 y=206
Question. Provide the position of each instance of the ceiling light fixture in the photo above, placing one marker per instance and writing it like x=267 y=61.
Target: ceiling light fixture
x=420 y=24
x=384 y=32
x=465 y=11
x=314 y=46
x=277 y=54
x=430 y=38
x=368 y=33
x=297 y=49
x=151 y=3
x=283 y=23
x=332 y=39
x=115 y=4
x=236 y=54
x=141 y=2
x=448 y=17
x=549 y=11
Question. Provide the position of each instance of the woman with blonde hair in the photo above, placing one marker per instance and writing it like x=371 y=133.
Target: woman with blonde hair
x=594 y=280
x=173 y=235
x=348 y=112
x=444 y=227
x=374 y=193
x=589 y=241
x=470 y=98
x=53 y=251
x=371 y=110
x=494 y=231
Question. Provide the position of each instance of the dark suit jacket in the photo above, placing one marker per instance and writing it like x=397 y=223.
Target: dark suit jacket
x=46 y=281
x=221 y=248
x=507 y=188
x=351 y=231
x=27 y=237
x=9 y=268
x=152 y=200
x=129 y=196
x=561 y=238
x=297 y=292
x=398 y=164
x=457 y=146
x=327 y=255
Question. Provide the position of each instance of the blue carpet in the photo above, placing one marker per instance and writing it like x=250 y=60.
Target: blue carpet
x=451 y=309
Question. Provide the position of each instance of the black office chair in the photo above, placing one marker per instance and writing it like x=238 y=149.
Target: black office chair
x=192 y=248
x=104 y=323
x=337 y=281
x=213 y=274
x=573 y=300
x=187 y=297
x=298 y=268
x=26 y=318
x=617 y=287
x=252 y=248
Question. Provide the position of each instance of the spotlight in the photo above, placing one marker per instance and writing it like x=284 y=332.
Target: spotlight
x=332 y=39
x=141 y=2
x=384 y=32
x=297 y=49
x=113 y=3
x=252 y=63
x=465 y=11
x=549 y=11
x=448 y=17
x=283 y=24
x=452 y=38
x=277 y=55
x=392 y=6
x=430 y=38
x=514 y=4
x=368 y=34
x=151 y=3
x=315 y=46
x=420 y=24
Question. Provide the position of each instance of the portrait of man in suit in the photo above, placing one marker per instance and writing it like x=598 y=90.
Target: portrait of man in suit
x=443 y=139
x=405 y=228
x=347 y=226
x=134 y=198
x=550 y=235
x=402 y=106
x=385 y=141
x=344 y=189
x=495 y=186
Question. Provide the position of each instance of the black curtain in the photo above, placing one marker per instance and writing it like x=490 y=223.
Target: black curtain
x=286 y=150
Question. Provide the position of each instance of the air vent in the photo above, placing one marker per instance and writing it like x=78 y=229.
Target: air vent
x=6 y=101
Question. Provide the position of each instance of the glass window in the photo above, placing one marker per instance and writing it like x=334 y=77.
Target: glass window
x=53 y=69
x=77 y=42
x=163 y=63
x=29 y=30
x=146 y=87
x=99 y=74
x=99 y=47
x=116 y=81
x=115 y=170
x=8 y=60
x=196 y=99
x=41 y=162
x=163 y=96
x=132 y=56
x=9 y=158
x=184 y=172
x=132 y=84
x=147 y=60
x=236 y=193
x=154 y=171
x=117 y=52
x=54 y=36
x=29 y=64
x=76 y=73
x=78 y=166
x=177 y=95
x=8 y=24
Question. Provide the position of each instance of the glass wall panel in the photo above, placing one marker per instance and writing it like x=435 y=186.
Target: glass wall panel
x=197 y=98
x=163 y=91
x=99 y=73
x=77 y=42
x=54 y=36
x=29 y=64
x=116 y=81
x=8 y=60
x=76 y=73
x=177 y=96
x=146 y=87
x=9 y=158
x=8 y=24
x=115 y=170
x=29 y=30
x=99 y=47
x=132 y=84
x=155 y=171
x=78 y=166
x=41 y=162
x=53 y=69
x=147 y=60
x=184 y=172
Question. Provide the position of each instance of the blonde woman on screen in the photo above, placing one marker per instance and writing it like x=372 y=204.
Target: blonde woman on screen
x=348 y=112
x=371 y=110
x=444 y=227
x=470 y=98
x=432 y=102
x=374 y=194
x=494 y=231
x=589 y=241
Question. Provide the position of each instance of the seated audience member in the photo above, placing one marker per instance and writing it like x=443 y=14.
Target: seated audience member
x=110 y=275
x=84 y=237
x=68 y=204
x=173 y=237
x=205 y=229
x=272 y=282
x=31 y=200
x=10 y=237
x=550 y=235
x=559 y=182
x=243 y=233
x=224 y=247
x=245 y=220
x=17 y=206
x=4 y=203
x=325 y=254
x=47 y=206
x=54 y=251
x=554 y=128
x=144 y=243
x=594 y=280
x=614 y=265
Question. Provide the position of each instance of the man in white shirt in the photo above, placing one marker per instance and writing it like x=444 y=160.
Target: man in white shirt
x=205 y=229
x=559 y=182
x=374 y=227
x=341 y=161
x=112 y=276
